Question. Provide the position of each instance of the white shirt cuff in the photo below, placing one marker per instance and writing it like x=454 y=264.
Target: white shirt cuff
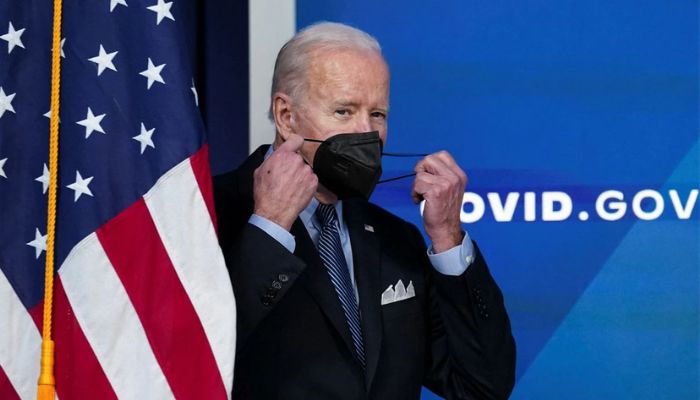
x=455 y=260
x=278 y=233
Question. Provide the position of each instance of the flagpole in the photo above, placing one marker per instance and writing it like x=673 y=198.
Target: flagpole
x=47 y=383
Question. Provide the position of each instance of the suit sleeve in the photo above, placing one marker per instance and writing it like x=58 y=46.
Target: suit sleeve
x=261 y=269
x=471 y=353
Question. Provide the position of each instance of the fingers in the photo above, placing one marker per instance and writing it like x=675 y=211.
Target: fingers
x=442 y=164
x=283 y=184
x=427 y=185
x=292 y=144
x=422 y=183
x=441 y=183
x=453 y=166
x=437 y=175
x=286 y=156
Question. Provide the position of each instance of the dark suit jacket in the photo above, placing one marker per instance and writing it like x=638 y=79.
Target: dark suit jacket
x=293 y=342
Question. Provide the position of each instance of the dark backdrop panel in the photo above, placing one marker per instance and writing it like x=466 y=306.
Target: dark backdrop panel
x=223 y=80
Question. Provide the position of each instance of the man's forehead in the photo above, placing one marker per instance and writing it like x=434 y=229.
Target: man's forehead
x=348 y=76
x=345 y=60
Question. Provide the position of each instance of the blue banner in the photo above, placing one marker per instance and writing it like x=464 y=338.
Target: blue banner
x=577 y=123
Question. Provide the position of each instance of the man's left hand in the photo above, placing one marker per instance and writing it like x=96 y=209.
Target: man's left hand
x=441 y=183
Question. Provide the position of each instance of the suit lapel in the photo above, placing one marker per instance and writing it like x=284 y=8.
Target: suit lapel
x=316 y=280
x=366 y=262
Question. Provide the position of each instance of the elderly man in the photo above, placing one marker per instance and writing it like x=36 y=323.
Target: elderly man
x=337 y=298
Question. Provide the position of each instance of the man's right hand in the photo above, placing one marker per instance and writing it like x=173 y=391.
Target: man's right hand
x=283 y=184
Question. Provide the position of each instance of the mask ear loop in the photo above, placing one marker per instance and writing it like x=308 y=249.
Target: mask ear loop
x=396 y=178
x=404 y=154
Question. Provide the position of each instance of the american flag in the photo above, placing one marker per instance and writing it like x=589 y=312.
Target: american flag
x=143 y=305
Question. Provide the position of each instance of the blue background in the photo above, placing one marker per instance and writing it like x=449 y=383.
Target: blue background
x=573 y=96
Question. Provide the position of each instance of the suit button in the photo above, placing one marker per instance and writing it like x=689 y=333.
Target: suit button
x=266 y=301
x=283 y=277
x=276 y=285
x=271 y=293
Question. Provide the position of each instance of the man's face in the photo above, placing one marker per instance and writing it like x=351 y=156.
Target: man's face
x=347 y=92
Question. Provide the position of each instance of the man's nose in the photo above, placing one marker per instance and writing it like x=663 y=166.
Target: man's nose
x=363 y=123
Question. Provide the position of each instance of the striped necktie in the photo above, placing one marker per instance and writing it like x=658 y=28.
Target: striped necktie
x=331 y=252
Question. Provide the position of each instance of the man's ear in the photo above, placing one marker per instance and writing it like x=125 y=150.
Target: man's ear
x=282 y=112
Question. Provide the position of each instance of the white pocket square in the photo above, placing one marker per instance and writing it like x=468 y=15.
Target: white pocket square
x=398 y=292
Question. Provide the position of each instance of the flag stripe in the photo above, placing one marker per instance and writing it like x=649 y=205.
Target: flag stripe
x=153 y=318
x=202 y=172
x=7 y=392
x=110 y=323
x=78 y=373
x=146 y=273
x=185 y=228
x=20 y=344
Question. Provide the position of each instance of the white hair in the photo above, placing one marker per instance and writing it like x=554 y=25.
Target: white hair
x=293 y=58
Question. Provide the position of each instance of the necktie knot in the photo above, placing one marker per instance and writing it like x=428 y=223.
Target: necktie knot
x=326 y=215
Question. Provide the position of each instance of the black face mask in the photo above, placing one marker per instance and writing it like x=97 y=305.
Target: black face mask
x=350 y=164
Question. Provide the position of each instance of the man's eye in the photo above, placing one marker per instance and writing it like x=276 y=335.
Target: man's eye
x=378 y=114
x=342 y=111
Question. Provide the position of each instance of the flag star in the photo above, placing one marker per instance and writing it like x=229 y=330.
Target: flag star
x=103 y=60
x=153 y=73
x=44 y=179
x=6 y=102
x=39 y=243
x=92 y=123
x=48 y=115
x=145 y=138
x=13 y=38
x=196 y=96
x=114 y=3
x=2 y=166
x=80 y=186
x=162 y=9
x=63 y=41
